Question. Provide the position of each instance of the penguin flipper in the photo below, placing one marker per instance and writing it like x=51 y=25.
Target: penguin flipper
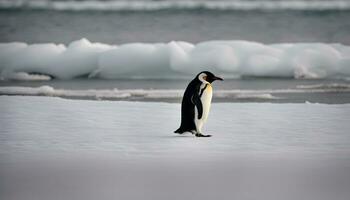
x=198 y=103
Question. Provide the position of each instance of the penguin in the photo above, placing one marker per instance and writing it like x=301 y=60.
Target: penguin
x=196 y=103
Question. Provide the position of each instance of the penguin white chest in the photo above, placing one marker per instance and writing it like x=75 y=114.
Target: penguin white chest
x=206 y=101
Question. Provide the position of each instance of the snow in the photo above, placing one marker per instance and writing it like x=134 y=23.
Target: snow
x=135 y=128
x=53 y=148
x=144 y=5
x=175 y=59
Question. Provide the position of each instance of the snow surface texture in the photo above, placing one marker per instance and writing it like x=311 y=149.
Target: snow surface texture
x=135 y=129
x=173 y=60
x=139 y=5
x=52 y=148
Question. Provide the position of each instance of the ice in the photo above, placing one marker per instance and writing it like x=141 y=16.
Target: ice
x=23 y=76
x=144 y=5
x=59 y=61
x=134 y=60
x=53 y=148
x=7 y=50
x=325 y=86
x=175 y=60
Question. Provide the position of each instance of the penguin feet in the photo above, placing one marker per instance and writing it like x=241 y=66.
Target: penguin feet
x=201 y=135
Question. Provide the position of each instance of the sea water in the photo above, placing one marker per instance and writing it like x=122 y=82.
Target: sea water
x=117 y=22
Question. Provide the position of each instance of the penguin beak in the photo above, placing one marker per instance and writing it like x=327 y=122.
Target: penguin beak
x=218 y=78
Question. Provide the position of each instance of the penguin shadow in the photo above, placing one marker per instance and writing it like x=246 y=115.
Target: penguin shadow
x=177 y=136
x=186 y=135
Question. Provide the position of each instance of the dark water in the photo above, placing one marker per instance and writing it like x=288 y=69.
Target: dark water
x=115 y=27
x=283 y=90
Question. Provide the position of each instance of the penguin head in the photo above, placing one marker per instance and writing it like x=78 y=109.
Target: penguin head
x=206 y=76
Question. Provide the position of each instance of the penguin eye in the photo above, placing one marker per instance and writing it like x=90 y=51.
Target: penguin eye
x=205 y=77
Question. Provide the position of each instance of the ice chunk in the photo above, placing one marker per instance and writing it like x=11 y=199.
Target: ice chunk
x=176 y=59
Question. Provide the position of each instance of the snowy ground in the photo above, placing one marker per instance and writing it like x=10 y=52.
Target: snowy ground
x=53 y=148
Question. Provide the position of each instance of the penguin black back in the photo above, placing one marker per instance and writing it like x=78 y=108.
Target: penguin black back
x=187 y=107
